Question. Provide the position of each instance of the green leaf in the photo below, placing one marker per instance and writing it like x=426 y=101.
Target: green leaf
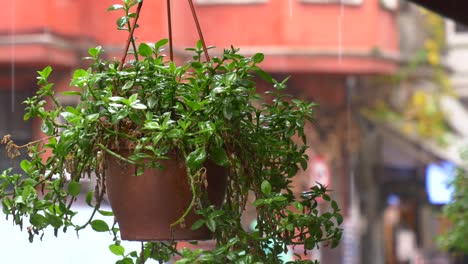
x=94 y=52
x=92 y=117
x=309 y=243
x=71 y=93
x=145 y=50
x=265 y=76
x=115 y=7
x=45 y=72
x=199 y=44
x=266 y=187
x=152 y=125
x=174 y=133
x=122 y=22
x=138 y=106
x=258 y=202
x=74 y=188
x=259 y=57
x=298 y=205
x=25 y=165
x=99 y=226
x=54 y=220
x=228 y=110
x=79 y=73
x=199 y=223
x=219 y=156
x=125 y=261
x=127 y=85
x=339 y=219
x=106 y=213
x=89 y=198
x=211 y=224
x=47 y=127
x=19 y=199
x=334 y=205
x=38 y=221
x=196 y=158
x=161 y=43
x=152 y=101
x=117 y=249
x=280 y=198
x=116 y=98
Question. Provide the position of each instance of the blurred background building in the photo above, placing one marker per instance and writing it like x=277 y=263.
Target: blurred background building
x=378 y=69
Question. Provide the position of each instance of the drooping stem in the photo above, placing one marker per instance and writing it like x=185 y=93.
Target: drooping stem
x=115 y=155
x=99 y=200
x=34 y=142
x=130 y=37
x=192 y=202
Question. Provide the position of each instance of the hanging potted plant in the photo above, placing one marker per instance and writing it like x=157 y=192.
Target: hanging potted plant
x=145 y=126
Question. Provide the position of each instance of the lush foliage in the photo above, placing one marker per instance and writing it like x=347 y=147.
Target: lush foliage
x=457 y=213
x=200 y=110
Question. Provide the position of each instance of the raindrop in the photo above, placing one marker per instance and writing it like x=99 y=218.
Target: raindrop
x=13 y=56
x=340 y=32
x=290 y=9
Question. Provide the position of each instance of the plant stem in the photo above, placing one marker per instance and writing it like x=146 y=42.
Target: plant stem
x=130 y=37
x=135 y=51
x=110 y=152
x=192 y=202
x=171 y=249
x=34 y=142
x=142 y=254
x=96 y=208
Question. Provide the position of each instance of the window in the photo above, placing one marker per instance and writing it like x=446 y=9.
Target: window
x=232 y=2
x=457 y=34
x=345 y=2
x=460 y=28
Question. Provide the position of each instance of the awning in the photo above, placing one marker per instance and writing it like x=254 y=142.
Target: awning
x=454 y=9
x=424 y=150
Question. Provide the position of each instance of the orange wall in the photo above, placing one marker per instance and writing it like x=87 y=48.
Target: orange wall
x=22 y=15
x=273 y=24
x=310 y=30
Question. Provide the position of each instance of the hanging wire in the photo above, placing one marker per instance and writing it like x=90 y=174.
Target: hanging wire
x=130 y=36
x=169 y=19
x=200 y=34
x=169 y=26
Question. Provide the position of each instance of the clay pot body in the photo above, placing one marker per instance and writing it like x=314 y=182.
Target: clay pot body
x=145 y=206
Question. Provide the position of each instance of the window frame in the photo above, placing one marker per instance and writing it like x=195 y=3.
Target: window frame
x=454 y=37
x=385 y=5
x=334 y=2
x=230 y=2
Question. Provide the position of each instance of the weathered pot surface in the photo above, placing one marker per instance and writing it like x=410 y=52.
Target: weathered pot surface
x=145 y=206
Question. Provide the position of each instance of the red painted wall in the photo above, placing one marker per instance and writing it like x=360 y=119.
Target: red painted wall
x=306 y=38
x=310 y=25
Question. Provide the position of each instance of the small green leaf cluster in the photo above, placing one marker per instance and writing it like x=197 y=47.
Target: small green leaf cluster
x=457 y=213
x=198 y=112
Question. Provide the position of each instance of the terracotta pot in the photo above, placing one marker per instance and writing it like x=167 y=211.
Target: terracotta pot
x=145 y=206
